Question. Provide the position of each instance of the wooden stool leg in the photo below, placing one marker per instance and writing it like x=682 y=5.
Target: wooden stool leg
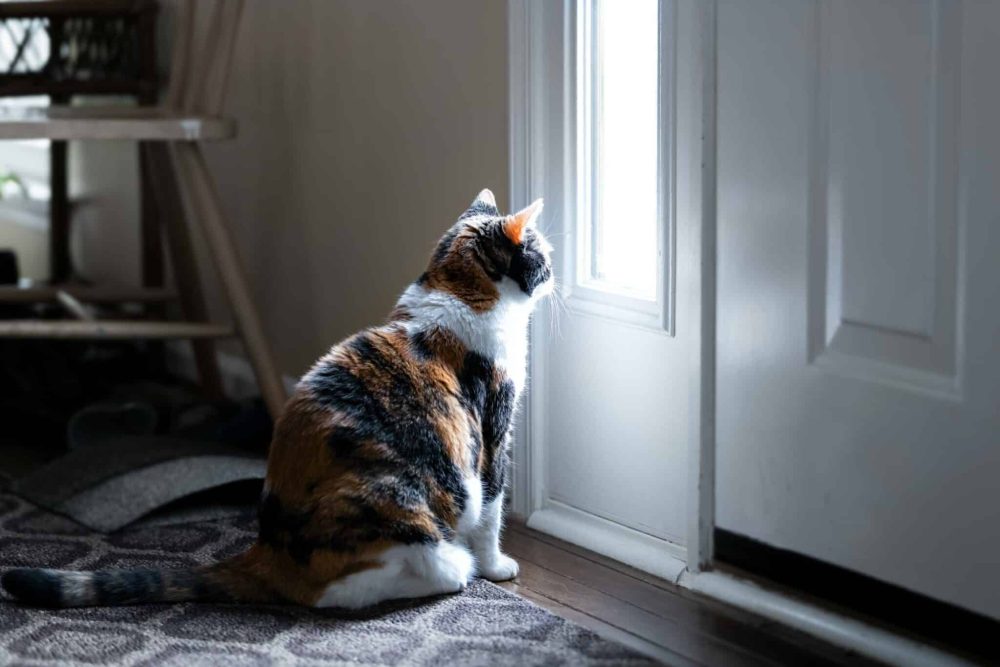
x=152 y=252
x=203 y=199
x=165 y=197
x=60 y=266
x=150 y=234
x=60 y=260
x=151 y=258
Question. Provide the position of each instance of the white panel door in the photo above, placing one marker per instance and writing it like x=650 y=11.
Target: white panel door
x=859 y=287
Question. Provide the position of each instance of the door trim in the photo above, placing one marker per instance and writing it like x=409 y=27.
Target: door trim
x=644 y=552
x=837 y=628
x=542 y=85
x=904 y=609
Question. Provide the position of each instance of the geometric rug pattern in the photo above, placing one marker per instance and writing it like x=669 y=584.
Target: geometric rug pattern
x=485 y=625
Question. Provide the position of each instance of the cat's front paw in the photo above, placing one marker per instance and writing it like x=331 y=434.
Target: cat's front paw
x=498 y=568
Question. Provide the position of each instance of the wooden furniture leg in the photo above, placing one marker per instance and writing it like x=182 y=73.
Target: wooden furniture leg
x=165 y=198
x=60 y=268
x=151 y=259
x=150 y=227
x=201 y=196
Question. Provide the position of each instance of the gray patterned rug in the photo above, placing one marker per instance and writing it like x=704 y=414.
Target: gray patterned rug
x=485 y=625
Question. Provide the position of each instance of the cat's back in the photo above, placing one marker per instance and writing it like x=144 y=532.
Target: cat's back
x=384 y=369
x=381 y=398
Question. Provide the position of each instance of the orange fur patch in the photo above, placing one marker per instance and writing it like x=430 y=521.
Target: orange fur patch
x=513 y=227
x=459 y=274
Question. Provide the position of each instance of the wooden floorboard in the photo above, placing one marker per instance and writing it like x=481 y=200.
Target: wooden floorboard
x=651 y=615
x=601 y=628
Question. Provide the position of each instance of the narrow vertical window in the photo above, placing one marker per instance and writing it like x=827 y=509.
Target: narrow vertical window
x=620 y=65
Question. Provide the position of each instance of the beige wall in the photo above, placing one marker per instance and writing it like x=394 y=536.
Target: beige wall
x=366 y=127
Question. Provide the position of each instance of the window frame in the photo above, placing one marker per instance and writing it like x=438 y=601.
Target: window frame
x=584 y=294
x=543 y=150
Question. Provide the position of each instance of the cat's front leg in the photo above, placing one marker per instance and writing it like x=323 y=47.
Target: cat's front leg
x=484 y=540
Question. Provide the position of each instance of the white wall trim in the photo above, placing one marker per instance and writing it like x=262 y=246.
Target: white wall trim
x=539 y=35
x=701 y=456
x=518 y=63
x=645 y=552
x=838 y=629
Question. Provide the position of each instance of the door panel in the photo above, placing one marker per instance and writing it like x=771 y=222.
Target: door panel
x=883 y=194
x=887 y=163
x=618 y=424
x=858 y=282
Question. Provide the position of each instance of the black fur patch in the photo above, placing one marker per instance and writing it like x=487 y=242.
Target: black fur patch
x=442 y=249
x=36 y=587
x=529 y=268
x=283 y=528
x=497 y=420
x=480 y=208
x=115 y=587
x=421 y=344
x=474 y=380
x=492 y=407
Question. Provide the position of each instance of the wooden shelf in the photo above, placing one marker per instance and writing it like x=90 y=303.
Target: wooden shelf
x=111 y=123
x=86 y=294
x=111 y=329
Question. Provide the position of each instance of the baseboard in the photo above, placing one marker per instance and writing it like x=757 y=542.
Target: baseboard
x=238 y=380
x=838 y=629
x=667 y=561
x=906 y=610
x=644 y=552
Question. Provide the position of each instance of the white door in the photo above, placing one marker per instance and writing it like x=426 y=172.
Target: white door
x=614 y=148
x=858 y=387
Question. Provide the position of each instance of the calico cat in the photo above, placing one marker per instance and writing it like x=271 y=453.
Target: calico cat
x=386 y=472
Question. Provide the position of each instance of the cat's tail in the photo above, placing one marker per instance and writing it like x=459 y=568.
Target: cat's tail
x=232 y=580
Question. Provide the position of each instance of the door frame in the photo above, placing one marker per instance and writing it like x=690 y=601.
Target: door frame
x=543 y=116
x=540 y=128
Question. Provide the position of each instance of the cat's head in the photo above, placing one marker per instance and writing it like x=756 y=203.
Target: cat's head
x=487 y=258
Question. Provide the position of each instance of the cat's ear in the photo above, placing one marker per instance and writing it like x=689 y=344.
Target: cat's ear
x=515 y=225
x=485 y=198
x=484 y=204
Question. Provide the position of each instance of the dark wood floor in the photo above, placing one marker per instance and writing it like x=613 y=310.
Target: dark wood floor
x=652 y=615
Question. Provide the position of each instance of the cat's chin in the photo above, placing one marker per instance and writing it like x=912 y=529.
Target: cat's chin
x=512 y=294
x=543 y=290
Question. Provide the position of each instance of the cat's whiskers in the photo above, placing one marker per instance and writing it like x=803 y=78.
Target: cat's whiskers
x=557 y=306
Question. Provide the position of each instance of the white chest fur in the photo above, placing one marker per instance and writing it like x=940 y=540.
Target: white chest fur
x=500 y=334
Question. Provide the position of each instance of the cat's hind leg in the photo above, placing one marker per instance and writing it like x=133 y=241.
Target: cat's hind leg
x=413 y=571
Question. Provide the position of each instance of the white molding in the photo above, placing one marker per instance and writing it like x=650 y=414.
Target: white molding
x=840 y=630
x=645 y=552
x=539 y=41
x=518 y=63
x=701 y=457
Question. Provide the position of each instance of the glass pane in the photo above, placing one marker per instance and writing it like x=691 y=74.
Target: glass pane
x=625 y=58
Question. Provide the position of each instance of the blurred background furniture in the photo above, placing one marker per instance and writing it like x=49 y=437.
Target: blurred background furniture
x=66 y=48
x=108 y=46
x=62 y=48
